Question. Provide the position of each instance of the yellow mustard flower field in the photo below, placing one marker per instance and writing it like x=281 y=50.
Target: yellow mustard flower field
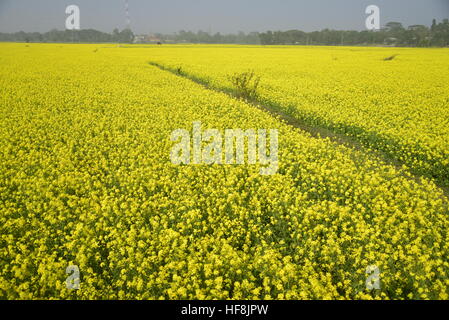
x=86 y=178
x=398 y=106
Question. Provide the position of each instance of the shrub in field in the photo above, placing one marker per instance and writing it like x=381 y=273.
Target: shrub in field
x=390 y=57
x=246 y=84
x=179 y=70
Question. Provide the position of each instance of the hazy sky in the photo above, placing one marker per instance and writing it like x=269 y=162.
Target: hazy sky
x=225 y=16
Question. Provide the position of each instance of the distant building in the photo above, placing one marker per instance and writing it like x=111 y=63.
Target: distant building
x=139 y=39
x=390 y=41
x=151 y=39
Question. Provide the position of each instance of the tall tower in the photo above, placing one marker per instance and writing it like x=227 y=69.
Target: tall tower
x=128 y=19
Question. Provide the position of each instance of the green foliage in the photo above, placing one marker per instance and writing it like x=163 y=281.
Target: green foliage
x=390 y=57
x=179 y=70
x=246 y=84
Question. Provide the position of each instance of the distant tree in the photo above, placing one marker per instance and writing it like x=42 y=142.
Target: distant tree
x=397 y=31
x=418 y=35
x=126 y=36
x=434 y=25
x=445 y=32
x=266 y=38
x=440 y=33
x=115 y=35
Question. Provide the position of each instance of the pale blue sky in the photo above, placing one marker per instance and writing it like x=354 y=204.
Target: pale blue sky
x=223 y=16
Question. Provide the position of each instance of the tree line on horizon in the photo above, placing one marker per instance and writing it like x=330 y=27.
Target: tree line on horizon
x=394 y=33
x=83 y=36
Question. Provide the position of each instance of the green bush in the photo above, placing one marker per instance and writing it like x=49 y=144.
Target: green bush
x=246 y=84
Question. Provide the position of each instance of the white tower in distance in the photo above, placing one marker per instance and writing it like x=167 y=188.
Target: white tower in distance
x=128 y=19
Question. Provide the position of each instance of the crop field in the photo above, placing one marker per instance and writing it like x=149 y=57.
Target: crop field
x=87 y=180
x=399 y=106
